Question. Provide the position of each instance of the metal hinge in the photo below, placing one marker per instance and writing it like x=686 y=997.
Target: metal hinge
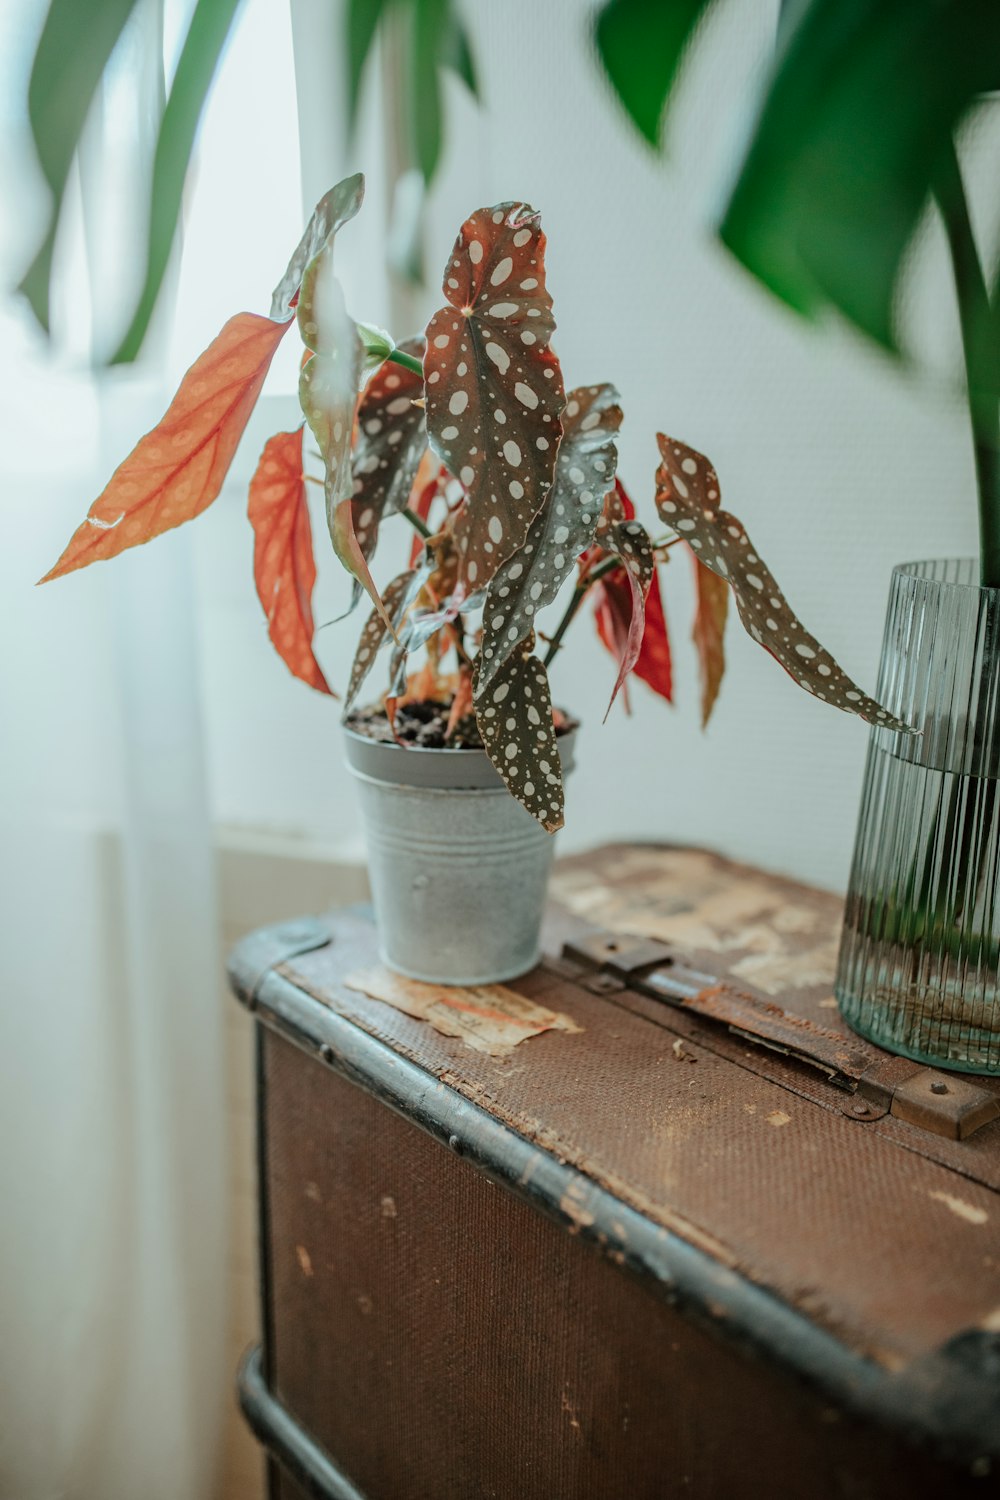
x=875 y=1083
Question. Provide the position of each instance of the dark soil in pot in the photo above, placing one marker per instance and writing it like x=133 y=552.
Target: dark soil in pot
x=424 y=725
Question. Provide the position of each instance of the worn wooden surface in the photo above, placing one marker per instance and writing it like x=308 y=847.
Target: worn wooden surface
x=880 y=1238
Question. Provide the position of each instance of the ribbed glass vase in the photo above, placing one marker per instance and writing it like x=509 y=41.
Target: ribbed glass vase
x=918 y=959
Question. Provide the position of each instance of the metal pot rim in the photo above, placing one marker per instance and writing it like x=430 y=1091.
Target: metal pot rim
x=444 y=770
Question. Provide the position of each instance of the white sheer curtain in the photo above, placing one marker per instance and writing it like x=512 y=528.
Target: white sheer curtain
x=113 y=1155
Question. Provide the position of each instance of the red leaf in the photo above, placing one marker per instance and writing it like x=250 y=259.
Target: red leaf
x=613 y=614
x=709 y=625
x=176 y=471
x=631 y=542
x=654 y=664
x=421 y=507
x=461 y=704
x=494 y=388
x=613 y=617
x=283 y=565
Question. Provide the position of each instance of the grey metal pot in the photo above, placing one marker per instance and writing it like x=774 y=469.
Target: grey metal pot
x=458 y=869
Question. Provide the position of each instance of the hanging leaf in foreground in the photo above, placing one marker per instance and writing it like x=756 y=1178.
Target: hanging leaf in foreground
x=687 y=498
x=332 y=212
x=494 y=388
x=283 y=563
x=563 y=528
x=712 y=592
x=514 y=715
x=613 y=617
x=391 y=441
x=177 y=470
x=630 y=541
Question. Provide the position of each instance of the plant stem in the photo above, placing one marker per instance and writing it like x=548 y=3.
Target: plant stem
x=981 y=364
x=408 y=362
x=416 y=522
x=576 y=598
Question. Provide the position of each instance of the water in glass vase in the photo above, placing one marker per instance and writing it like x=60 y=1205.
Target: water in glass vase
x=919 y=955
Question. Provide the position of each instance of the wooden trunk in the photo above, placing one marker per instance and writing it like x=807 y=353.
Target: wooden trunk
x=705 y=1243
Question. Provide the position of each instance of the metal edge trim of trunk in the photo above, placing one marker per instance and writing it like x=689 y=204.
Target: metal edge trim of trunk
x=938 y=1402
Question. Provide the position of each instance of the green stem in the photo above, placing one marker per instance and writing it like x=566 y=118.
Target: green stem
x=981 y=365
x=408 y=362
x=576 y=598
x=416 y=522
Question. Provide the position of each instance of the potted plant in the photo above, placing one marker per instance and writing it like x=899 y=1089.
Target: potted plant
x=511 y=487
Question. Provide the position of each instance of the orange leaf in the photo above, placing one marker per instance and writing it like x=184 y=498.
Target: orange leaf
x=709 y=624
x=461 y=703
x=283 y=565
x=176 y=471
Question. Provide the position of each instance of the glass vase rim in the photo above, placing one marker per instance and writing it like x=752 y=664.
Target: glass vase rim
x=914 y=569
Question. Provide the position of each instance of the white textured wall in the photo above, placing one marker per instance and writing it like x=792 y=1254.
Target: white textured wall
x=838 y=464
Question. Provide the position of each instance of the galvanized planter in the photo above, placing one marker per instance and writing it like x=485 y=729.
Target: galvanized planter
x=458 y=869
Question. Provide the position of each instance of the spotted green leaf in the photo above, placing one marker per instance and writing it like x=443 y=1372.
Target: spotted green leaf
x=397 y=597
x=391 y=441
x=563 y=528
x=494 y=388
x=687 y=498
x=514 y=715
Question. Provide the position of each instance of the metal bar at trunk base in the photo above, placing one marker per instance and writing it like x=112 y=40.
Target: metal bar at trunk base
x=305 y=1461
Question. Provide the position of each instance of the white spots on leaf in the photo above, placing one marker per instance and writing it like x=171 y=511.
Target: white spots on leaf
x=516 y=489
x=805 y=651
x=495 y=529
x=522 y=238
x=541 y=443
x=689 y=466
x=500 y=692
x=526 y=395
x=397 y=407
x=467 y=474
x=442 y=341
x=503 y=309
x=459 y=401
x=501 y=271
x=475 y=252
x=512 y=453
x=448 y=433
x=499 y=356
x=527 y=337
